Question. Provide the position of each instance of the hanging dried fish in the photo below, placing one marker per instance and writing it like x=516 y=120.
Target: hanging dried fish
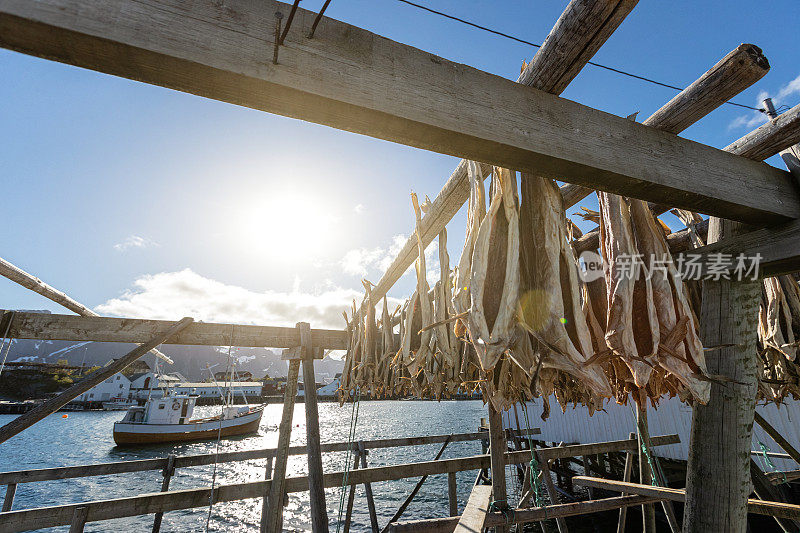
x=494 y=284
x=632 y=330
x=550 y=307
x=476 y=211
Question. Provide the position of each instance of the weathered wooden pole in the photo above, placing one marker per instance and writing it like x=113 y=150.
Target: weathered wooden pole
x=791 y=154
x=497 y=449
x=17 y=275
x=626 y=477
x=452 y=494
x=272 y=509
x=735 y=72
x=167 y=473
x=8 y=500
x=54 y=404
x=373 y=515
x=551 y=491
x=718 y=477
x=645 y=472
x=319 y=513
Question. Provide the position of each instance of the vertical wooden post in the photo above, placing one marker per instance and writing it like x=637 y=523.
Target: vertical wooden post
x=497 y=449
x=452 y=493
x=272 y=519
x=586 y=472
x=718 y=476
x=169 y=470
x=78 y=520
x=626 y=476
x=645 y=473
x=8 y=501
x=352 y=494
x=319 y=513
x=373 y=515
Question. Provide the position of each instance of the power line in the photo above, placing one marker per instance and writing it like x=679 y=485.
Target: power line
x=523 y=41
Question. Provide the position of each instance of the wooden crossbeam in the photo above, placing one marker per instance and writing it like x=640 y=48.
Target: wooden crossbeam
x=352 y=79
x=473 y=519
x=782 y=510
x=44 y=326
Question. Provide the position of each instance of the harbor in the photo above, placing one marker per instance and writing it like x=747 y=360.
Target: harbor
x=593 y=326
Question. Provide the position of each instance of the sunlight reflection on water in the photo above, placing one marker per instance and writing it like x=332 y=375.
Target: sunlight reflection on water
x=85 y=437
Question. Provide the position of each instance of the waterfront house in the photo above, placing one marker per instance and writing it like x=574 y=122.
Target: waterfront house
x=117 y=386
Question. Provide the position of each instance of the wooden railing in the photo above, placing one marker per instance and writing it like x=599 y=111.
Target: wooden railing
x=160 y=502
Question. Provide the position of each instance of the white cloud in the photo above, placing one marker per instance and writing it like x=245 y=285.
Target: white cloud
x=756 y=118
x=134 y=241
x=373 y=262
x=359 y=208
x=171 y=295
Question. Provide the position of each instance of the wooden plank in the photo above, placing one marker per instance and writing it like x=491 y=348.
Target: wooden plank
x=473 y=519
x=272 y=510
x=29 y=281
x=60 y=400
x=45 y=326
x=551 y=491
x=576 y=450
x=783 y=510
x=42 y=517
x=523 y=516
x=119 y=467
x=778 y=246
x=319 y=513
x=78 y=520
x=777 y=437
x=580 y=31
x=738 y=70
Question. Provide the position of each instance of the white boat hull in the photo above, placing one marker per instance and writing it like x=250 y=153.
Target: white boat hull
x=192 y=430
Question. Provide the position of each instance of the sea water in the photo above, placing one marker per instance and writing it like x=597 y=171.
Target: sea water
x=86 y=438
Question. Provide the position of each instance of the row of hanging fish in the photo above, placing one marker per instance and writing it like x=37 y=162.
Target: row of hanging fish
x=514 y=319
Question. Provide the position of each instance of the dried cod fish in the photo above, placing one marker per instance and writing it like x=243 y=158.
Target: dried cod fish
x=494 y=283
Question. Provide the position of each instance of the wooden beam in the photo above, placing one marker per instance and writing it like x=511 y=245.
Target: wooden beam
x=777 y=437
x=272 y=508
x=783 y=510
x=319 y=513
x=497 y=451
x=773 y=137
x=54 y=404
x=29 y=281
x=718 y=471
x=45 y=326
x=473 y=519
x=778 y=246
x=580 y=31
x=738 y=70
x=523 y=516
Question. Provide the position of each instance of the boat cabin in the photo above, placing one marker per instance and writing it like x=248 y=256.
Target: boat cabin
x=176 y=409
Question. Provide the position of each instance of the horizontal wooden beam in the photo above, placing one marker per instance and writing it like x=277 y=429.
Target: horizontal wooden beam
x=45 y=326
x=777 y=509
x=351 y=79
x=779 y=247
x=524 y=516
x=773 y=137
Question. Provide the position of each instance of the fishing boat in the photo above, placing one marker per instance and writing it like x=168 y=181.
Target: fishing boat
x=169 y=419
x=119 y=404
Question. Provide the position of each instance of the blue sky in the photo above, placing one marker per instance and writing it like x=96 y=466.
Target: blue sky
x=138 y=200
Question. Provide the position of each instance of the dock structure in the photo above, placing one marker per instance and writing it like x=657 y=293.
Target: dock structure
x=364 y=83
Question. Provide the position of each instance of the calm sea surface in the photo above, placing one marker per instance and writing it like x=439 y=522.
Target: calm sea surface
x=85 y=437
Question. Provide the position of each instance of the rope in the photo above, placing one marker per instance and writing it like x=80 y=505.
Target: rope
x=219 y=436
x=536 y=483
x=501 y=506
x=529 y=43
x=768 y=462
x=350 y=441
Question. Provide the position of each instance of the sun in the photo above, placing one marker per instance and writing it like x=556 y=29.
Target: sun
x=287 y=227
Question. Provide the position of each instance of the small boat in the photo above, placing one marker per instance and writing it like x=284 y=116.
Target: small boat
x=168 y=419
x=119 y=404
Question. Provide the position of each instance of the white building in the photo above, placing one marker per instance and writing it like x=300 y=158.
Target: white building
x=211 y=390
x=142 y=383
x=117 y=386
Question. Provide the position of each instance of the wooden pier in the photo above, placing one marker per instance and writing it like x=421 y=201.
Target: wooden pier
x=367 y=84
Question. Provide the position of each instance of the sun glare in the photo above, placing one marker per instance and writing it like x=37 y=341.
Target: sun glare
x=286 y=228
